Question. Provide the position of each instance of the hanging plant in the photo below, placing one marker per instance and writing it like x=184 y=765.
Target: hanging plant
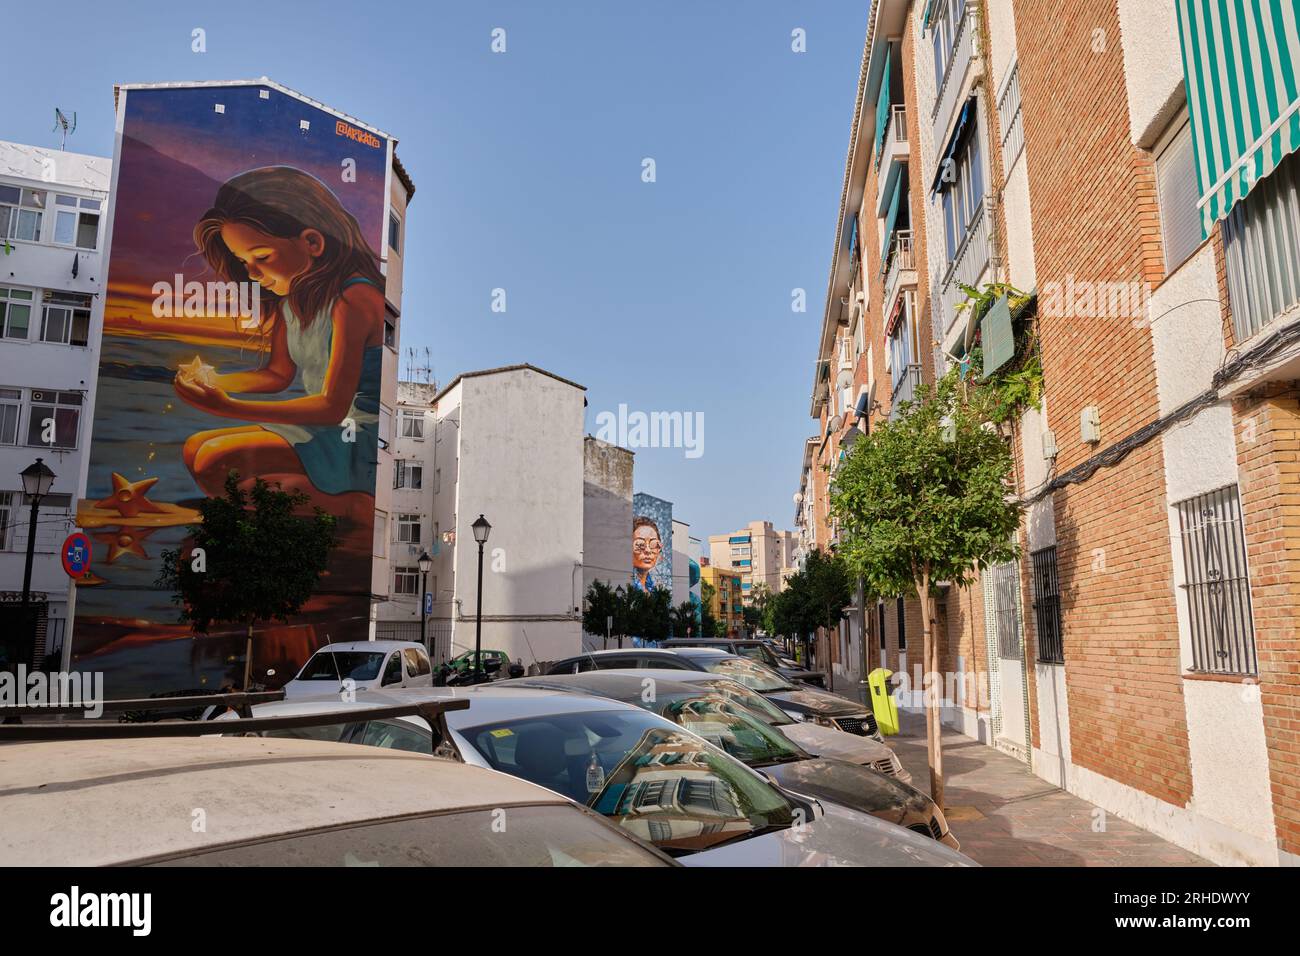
x=1018 y=384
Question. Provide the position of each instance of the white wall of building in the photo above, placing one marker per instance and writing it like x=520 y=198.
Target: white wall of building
x=28 y=364
x=518 y=460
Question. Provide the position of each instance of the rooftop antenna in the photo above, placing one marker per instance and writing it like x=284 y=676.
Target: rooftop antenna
x=62 y=122
x=422 y=372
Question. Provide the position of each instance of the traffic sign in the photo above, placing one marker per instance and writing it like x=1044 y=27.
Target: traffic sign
x=76 y=554
x=428 y=603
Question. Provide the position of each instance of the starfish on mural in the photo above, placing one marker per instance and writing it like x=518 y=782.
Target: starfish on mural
x=124 y=541
x=128 y=498
x=199 y=372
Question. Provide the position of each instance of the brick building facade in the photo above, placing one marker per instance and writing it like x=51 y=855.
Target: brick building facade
x=1142 y=652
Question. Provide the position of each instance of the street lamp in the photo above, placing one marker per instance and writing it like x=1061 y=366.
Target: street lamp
x=425 y=562
x=37 y=479
x=481 y=530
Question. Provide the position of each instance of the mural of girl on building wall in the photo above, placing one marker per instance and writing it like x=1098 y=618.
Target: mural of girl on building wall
x=283 y=229
x=646 y=548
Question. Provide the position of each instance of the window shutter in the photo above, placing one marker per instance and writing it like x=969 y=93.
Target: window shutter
x=1180 y=220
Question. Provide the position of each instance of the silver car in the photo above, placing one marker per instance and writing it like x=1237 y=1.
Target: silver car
x=660 y=782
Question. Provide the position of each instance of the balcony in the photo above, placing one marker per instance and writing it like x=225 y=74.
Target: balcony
x=967 y=266
x=904 y=389
x=899 y=269
x=954 y=75
x=893 y=156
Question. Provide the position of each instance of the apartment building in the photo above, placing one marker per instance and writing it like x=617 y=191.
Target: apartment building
x=406 y=529
x=1142 y=652
x=508 y=444
x=399 y=409
x=759 y=552
x=52 y=213
x=727 y=600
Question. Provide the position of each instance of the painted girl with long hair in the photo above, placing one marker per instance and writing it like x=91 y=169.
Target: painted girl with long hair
x=283 y=229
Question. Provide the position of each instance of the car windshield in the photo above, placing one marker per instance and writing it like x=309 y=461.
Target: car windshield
x=532 y=836
x=760 y=705
x=752 y=674
x=758 y=652
x=733 y=729
x=663 y=784
x=334 y=665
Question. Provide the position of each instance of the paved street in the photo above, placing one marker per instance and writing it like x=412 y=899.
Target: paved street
x=1005 y=816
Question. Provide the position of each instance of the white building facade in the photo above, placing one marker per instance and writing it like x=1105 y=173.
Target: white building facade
x=52 y=210
x=508 y=444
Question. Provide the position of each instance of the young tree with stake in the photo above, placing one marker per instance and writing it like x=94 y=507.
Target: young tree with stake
x=925 y=499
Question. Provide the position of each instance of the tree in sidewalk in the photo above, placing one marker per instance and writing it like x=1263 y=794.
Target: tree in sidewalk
x=681 y=620
x=813 y=597
x=923 y=499
x=603 y=613
x=255 y=558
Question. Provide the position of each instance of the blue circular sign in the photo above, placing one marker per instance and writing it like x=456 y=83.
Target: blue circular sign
x=76 y=555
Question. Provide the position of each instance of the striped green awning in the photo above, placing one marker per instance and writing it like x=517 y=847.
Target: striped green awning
x=1240 y=59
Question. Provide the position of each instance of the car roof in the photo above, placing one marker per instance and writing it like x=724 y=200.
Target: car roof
x=706 y=651
x=490 y=704
x=369 y=646
x=662 y=675
x=94 y=803
x=623 y=685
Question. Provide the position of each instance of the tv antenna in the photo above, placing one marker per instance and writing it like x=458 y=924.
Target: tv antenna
x=61 y=122
x=419 y=371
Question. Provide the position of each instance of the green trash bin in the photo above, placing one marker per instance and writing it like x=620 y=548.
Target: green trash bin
x=882 y=701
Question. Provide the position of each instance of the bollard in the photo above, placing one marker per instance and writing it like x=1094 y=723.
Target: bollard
x=882 y=701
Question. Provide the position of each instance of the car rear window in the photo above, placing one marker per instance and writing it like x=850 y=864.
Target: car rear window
x=552 y=835
x=336 y=665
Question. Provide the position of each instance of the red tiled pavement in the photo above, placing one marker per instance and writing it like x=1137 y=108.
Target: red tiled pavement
x=1004 y=815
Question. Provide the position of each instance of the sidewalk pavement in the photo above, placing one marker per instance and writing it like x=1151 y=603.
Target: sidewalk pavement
x=1004 y=815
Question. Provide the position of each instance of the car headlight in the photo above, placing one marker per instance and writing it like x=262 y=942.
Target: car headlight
x=824 y=721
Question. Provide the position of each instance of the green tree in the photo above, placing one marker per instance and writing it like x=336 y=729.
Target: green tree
x=602 y=603
x=925 y=499
x=681 y=620
x=708 y=622
x=255 y=557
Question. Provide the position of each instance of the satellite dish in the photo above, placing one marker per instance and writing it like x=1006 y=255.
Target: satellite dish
x=844 y=379
x=836 y=422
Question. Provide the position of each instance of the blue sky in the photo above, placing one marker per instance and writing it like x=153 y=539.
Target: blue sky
x=666 y=296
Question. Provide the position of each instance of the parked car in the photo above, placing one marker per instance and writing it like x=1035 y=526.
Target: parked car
x=728 y=724
x=801 y=703
x=369 y=664
x=755 y=650
x=662 y=783
x=492 y=660
x=816 y=739
x=271 y=802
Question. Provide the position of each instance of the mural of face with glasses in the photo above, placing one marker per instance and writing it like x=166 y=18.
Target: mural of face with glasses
x=646 y=548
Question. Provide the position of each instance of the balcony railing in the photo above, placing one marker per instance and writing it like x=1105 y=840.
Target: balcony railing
x=896 y=133
x=900 y=261
x=904 y=389
x=966 y=267
x=963 y=50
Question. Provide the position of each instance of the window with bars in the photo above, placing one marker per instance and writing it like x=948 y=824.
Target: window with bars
x=902 y=625
x=1047 y=606
x=880 y=617
x=1216 y=583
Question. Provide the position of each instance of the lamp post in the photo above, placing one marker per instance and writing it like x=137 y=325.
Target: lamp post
x=481 y=531
x=425 y=562
x=37 y=479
